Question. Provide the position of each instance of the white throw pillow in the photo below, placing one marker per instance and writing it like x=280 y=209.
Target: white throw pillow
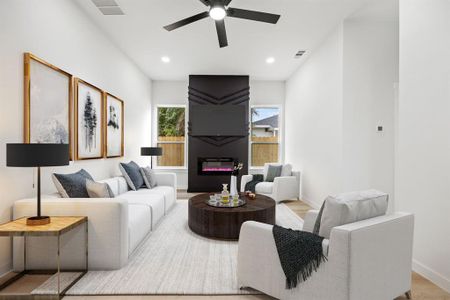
x=98 y=189
x=149 y=177
x=286 y=170
x=351 y=207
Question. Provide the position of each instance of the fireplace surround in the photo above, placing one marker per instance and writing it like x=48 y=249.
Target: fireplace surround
x=218 y=130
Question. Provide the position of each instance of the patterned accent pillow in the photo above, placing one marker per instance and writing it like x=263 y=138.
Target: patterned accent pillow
x=272 y=172
x=132 y=174
x=72 y=185
x=149 y=177
x=98 y=189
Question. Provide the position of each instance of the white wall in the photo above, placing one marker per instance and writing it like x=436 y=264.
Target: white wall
x=370 y=73
x=336 y=100
x=423 y=156
x=176 y=93
x=57 y=31
x=313 y=124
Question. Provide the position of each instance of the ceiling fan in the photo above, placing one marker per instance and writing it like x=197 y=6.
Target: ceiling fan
x=218 y=10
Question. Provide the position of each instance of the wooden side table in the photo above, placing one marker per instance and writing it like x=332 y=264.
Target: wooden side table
x=57 y=227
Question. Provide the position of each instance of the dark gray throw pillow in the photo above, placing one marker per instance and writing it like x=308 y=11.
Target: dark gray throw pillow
x=72 y=185
x=272 y=172
x=132 y=174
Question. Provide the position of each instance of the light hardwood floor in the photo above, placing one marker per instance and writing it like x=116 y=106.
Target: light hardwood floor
x=422 y=289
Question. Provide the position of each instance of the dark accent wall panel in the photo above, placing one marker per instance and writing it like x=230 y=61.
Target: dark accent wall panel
x=207 y=90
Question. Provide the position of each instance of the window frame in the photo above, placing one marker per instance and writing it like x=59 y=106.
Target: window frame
x=280 y=134
x=156 y=135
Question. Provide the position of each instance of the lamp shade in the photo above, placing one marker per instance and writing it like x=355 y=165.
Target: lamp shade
x=37 y=155
x=151 y=151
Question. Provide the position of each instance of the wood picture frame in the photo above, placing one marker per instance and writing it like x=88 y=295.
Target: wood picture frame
x=46 y=118
x=114 y=148
x=89 y=143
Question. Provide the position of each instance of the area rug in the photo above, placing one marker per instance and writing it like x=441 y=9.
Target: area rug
x=174 y=260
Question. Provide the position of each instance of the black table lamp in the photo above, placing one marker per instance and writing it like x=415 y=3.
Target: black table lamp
x=37 y=155
x=151 y=151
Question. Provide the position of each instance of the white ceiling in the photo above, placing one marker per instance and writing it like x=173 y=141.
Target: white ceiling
x=194 y=48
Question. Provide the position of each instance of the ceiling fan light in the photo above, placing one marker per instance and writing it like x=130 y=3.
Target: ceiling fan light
x=217 y=13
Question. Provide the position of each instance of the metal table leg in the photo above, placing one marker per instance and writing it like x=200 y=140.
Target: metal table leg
x=59 y=265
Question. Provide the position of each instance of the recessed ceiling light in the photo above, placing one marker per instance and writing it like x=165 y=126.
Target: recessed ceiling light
x=217 y=13
x=270 y=60
x=165 y=59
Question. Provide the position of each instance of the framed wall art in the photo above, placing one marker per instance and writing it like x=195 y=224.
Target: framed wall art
x=47 y=102
x=114 y=123
x=88 y=121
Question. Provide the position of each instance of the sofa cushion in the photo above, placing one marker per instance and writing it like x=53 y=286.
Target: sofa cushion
x=350 y=207
x=113 y=183
x=153 y=200
x=264 y=188
x=169 y=196
x=131 y=172
x=123 y=185
x=98 y=189
x=149 y=177
x=72 y=185
x=139 y=224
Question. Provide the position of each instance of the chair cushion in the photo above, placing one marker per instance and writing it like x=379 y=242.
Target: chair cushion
x=349 y=208
x=264 y=188
x=132 y=174
x=272 y=172
x=72 y=185
x=98 y=189
x=286 y=169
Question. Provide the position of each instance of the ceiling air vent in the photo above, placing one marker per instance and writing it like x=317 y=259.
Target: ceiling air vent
x=300 y=53
x=108 y=7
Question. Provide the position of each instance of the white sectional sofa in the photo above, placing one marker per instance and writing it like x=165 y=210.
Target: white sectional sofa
x=116 y=225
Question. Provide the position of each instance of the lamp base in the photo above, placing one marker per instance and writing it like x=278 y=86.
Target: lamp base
x=35 y=221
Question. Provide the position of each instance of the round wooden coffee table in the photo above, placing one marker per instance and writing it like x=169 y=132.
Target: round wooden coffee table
x=225 y=223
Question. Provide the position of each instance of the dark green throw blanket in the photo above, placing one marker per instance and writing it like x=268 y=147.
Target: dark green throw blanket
x=300 y=254
x=251 y=185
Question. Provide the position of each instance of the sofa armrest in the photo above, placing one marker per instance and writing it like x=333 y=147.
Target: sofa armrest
x=285 y=188
x=244 y=180
x=256 y=245
x=310 y=220
x=167 y=179
x=382 y=245
x=107 y=239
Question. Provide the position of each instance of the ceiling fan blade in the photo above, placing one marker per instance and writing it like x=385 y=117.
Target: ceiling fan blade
x=187 y=21
x=253 y=15
x=221 y=33
x=206 y=2
x=226 y=2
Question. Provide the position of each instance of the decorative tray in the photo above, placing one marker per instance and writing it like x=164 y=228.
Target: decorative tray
x=231 y=203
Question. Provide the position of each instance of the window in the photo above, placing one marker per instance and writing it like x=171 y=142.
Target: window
x=265 y=135
x=171 y=136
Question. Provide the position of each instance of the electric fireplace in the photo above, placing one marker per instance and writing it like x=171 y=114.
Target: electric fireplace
x=215 y=165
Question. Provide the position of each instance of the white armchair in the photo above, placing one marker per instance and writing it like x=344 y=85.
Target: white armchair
x=285 y=187
x=369 y=260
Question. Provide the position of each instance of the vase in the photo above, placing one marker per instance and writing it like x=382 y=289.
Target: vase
x=233 y=186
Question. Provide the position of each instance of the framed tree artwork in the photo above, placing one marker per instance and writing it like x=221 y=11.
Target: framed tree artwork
x=88 y=121
x=47 y=102
x=114 y=123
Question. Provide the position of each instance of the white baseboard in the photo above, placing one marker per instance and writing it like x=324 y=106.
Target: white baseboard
x=433 y=276
x=313 y=204
x=6 y=268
